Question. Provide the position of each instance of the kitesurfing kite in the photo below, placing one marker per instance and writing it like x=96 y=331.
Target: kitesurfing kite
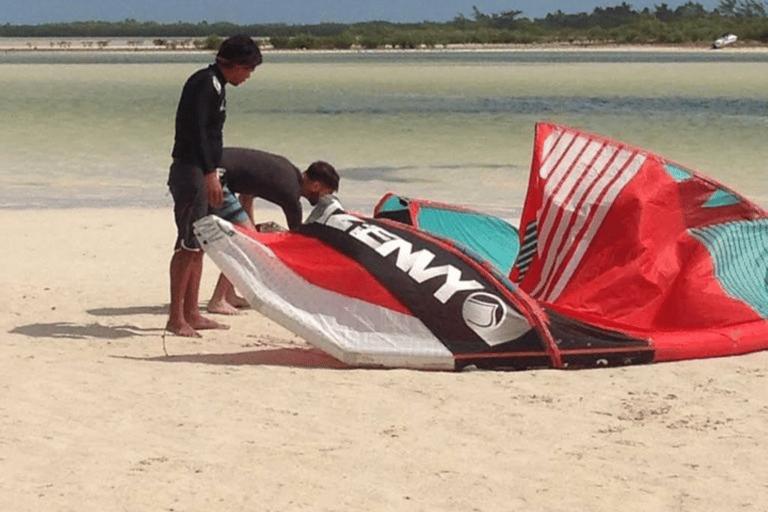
x=622 y=257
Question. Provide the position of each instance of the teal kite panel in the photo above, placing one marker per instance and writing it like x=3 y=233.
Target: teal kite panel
x=677 y=173
x=721 y=198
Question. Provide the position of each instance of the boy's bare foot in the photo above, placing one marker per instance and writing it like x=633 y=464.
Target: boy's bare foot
x=202 y=323
x=182 y=329
x=221 y=308
x=238 y=302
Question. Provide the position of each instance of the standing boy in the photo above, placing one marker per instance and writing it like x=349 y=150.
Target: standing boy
x=193 y=179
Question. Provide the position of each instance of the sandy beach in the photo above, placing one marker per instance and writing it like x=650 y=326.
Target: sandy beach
x=95 y=415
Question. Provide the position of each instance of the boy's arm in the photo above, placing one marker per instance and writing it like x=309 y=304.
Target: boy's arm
x=246 y=201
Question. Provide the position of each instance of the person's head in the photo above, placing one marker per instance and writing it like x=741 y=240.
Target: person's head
x=237 y=57
x=318 y=180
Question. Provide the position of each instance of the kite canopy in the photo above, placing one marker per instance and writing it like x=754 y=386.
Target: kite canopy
x=624 y=258
x=620 y=237
x=492 y=239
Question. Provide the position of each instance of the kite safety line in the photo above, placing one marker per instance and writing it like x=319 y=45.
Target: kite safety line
x=165 y=331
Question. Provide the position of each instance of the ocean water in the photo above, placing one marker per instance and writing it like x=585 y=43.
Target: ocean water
x=84 y=129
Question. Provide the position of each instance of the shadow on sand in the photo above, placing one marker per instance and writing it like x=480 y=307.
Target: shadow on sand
x=271 y=354
x=134 y=310
x=299 y=357
x=80 y=331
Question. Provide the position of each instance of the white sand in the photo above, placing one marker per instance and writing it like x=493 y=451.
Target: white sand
x=94 y=416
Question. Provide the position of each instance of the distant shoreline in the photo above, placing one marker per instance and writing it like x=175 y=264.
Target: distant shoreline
x=145 y=45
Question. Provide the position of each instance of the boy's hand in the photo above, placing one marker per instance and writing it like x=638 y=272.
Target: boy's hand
x=213 y=187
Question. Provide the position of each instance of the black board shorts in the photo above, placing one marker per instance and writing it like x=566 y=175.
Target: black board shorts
x=190 y=202
x=190 y=198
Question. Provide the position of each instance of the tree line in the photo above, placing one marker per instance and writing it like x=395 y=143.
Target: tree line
x=689 y=23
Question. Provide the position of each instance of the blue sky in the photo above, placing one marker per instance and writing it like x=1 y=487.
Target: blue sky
x=293 y=11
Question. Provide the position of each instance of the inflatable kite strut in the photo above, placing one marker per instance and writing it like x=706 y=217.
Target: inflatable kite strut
x=622 y=257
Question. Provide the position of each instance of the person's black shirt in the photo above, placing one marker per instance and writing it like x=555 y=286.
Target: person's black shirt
x=200 y=119
x=265 y=175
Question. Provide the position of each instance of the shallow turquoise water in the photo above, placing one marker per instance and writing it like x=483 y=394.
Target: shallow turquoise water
x=90 y=129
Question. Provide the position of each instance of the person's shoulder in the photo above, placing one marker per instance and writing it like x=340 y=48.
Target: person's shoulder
x=330 y=199
x=200 y=74
x=326 y=206
x=204 y=78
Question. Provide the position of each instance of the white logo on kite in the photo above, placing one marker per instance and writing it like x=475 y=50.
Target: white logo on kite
x=490 y=318
x=415 y=263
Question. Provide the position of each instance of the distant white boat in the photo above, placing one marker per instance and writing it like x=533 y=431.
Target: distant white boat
x=724 y=40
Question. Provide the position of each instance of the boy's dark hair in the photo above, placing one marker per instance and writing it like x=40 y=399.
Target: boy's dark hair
x=239 y=50
x=324 y=173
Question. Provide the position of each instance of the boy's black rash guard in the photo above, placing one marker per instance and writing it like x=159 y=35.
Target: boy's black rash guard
x=200 y=120
x=265 y=175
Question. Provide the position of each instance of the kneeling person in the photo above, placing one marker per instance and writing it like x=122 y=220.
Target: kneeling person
x=251 y=173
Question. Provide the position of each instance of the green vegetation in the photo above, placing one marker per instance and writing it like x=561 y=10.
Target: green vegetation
x=690 y=23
